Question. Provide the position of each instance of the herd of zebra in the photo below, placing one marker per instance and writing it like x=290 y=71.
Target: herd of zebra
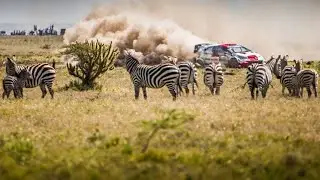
x=19 y=76
x=175 y=75
x=294 y=78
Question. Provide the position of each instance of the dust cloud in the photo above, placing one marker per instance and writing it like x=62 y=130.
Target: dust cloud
x=174 y=27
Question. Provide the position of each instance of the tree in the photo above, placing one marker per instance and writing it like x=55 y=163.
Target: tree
x=91 y=59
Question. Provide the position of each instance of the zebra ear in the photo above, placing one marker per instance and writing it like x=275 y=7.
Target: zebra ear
x=126 y=52
x=10 y=60
x=279 y=57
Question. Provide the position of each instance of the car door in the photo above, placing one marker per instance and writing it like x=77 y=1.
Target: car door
x=206 y=55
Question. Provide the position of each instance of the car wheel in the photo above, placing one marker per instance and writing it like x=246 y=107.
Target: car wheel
x=233 y=63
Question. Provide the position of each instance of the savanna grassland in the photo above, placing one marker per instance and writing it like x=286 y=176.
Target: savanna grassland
x=104 y=133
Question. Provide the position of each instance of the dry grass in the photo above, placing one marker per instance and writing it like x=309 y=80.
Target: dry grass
x=55 y=126
x=29 y=49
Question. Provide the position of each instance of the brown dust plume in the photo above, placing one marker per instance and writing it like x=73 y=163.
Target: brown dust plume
x=174 y=27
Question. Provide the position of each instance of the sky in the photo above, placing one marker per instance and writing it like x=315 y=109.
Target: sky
x=46 y=11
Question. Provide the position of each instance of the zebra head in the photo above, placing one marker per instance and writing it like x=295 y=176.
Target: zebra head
x=11 y=67
x=171 y=60
x=298 y=65
x=130 y=61
x=277 y=68
x=283 y=63
x=24 y=75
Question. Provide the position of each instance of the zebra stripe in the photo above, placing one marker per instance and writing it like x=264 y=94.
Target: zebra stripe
x=307 y=78
x=16 y=84
x=43 y=75
x=258 y=76
x=213 y=77
x=157 y=76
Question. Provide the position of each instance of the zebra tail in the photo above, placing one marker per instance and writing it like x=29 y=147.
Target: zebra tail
x=214 y=79
x=192 y=77
x=179 y=83
x=54 y=64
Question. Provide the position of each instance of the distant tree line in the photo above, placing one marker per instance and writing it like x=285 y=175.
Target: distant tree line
x=35 y=32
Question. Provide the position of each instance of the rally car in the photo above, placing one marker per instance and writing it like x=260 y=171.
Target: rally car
x=231 y=55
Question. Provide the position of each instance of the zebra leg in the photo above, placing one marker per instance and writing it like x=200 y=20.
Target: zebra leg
x=252 y=93
x=16 y=93
x=217 y=90
x=136 y=92
x=4 y=94
x=196 y=82
x=187 y=90
x=49 y=86
x=212 y=90
x=43 y=90
x=193 y=88
x=8 y=93
x=315 y=89
x=283 y=88
x=257 y=93
x=21 y=92
x=173 y=91
x=309 y=92
x=301 y=92
x=290 y=92
x=144 y=91
x=264 y=92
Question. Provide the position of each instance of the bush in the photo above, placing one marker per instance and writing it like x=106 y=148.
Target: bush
x=90 y=60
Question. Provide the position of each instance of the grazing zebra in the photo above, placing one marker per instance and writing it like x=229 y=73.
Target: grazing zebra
x=157 y=76
x=213 y=77
x=188 y=73
x=43 y=75
x=16 y=84
x=306 y=78
x=287 y=74
x=259 y=76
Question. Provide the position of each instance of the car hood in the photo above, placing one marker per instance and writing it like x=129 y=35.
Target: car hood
x=246 y=54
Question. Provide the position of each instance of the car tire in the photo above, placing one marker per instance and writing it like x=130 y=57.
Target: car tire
x=233 y=63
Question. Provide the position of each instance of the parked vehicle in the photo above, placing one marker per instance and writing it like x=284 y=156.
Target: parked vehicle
x=230 y=55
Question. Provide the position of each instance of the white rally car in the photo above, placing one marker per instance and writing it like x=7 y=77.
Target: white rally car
x=231 y=55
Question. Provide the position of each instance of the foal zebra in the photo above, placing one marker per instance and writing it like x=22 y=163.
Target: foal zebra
x=16 y=84
x=259 y=76
x=188 y=73
x=213 y=77
x=157 y=76
x=43 y=75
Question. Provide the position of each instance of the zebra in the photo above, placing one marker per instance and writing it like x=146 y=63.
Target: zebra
x=213 y=77
x=258 y=76
x=16 y=84
x=43 y=75
x=272 y=64
x=156 y=76
x=188 y=73
x=305 y=78
x=287 y=75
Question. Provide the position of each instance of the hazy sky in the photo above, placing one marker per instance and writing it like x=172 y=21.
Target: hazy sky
x=45 y=11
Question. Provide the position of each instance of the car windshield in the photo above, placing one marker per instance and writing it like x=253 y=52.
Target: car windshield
x=239 y=49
